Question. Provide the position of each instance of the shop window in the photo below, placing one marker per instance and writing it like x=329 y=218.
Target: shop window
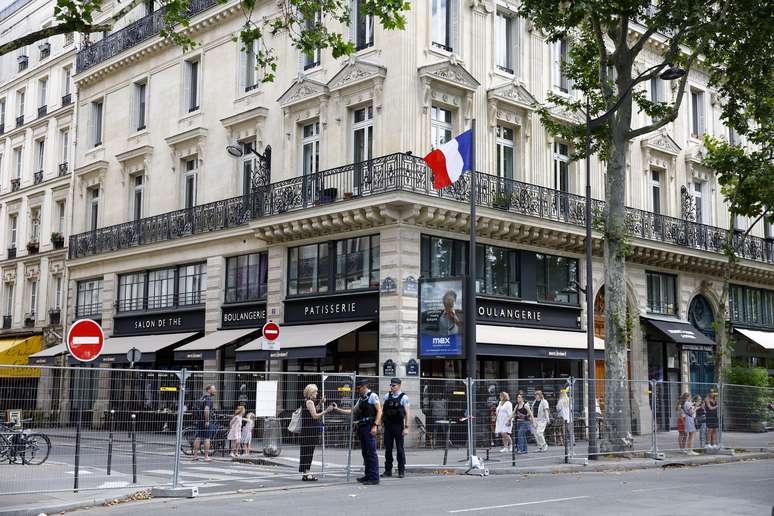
x=751 y=306
x=443 y=257
x=191 y=284
x=497 y=271
x=662 y=293
x=308 y=269
x=131 y=289
x=246 y=277
x=159 y=289
x=355 y=266
x=556 y=277
x=88 y=302
x=357 y=263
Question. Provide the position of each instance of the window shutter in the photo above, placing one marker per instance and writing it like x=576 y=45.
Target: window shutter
x=242 y=69
x=186 y=86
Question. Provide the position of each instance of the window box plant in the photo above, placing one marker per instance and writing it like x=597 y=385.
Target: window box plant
x=57 y=239
x=33 y=247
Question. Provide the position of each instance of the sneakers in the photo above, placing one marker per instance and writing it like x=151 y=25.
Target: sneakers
x=545 y=447
x=401 y=474
x=361 y=479
x=504 y=450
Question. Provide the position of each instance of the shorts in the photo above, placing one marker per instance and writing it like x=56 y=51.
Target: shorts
x=205 y=431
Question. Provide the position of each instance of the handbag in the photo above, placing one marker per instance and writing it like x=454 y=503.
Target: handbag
x=295 y=421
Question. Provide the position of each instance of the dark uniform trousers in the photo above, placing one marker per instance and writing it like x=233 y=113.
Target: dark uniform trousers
x=393 y=432
x=368 y=449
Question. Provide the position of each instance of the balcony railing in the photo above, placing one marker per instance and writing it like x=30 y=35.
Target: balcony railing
x=162 y=302
x=7 y=321
x=63 y=170
x=66 y=99
x=401 y=173
x=19 y=120
x=131 y=35
x=37 y=177
x=15 y=184
x=42 y=111
x=29 y=320
x=55 y=317
x=91 y=310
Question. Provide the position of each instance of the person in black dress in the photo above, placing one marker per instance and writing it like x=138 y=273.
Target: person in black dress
x=310 y=430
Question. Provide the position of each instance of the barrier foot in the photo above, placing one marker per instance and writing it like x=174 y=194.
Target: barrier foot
x=175 y=492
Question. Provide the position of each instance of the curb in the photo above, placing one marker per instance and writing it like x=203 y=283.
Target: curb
x=96 y=500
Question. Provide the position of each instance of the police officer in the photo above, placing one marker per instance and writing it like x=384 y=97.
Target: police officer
x=396 y=419
x=367 y=413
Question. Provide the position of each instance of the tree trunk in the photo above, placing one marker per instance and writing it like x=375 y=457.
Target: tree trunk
x=617 y=436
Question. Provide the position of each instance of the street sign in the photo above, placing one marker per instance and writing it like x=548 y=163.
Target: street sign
x=269 y=345
x=85 y=340
x=271 y=331
x=133 y=355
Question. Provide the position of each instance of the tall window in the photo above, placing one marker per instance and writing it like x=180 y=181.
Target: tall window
x=555 y=278
x=138 y=195
x=248 y=55
x=40 y=154
x=440 y=126
x=184 y=285
x=246 y=277
x=362 y=134
x=9 y=303
x=310 y=148
x=308 y=269
x=560 y=58
x=64 y=139
x=96 y=122
x=443 y=257
x=60 y=217
x=751 y=305
x=192 y=85
x=191 y=284
x=655 y=190
x=697 y=113
x=312 y=59
x=246 y=162
x=20 y=97
x=189 y=183
x=561 y=167
x=140 y=89
x=57 y=302
x=35 y=224
x=506 y=47
x=67 y=75
x=88 y=301
x=33 y=297
x=161 y=288
x=2 y=113
x=43 y=92
x=131 y=290
x=733 y=136
x=662 y=293
x=698 y=197
x=93 y=214
x=505 y=156
x=13 y=228
x=497 y=271
x=364 y=25
x=357 y=263
x=656 y=90
x=441 y=24
x=17 y=162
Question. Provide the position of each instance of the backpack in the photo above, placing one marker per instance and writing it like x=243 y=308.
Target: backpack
x=393 y=410
x=295 y=421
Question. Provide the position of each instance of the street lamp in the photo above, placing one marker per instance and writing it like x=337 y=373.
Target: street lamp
x=670 y=74
x=235 y=150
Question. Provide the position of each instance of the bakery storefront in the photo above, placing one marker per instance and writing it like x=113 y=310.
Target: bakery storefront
x=331 y=312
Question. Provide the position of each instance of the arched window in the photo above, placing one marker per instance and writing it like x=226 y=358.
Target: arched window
x=701 y=316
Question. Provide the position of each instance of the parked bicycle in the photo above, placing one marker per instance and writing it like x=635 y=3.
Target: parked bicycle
x=218 y=443
x=25 y=446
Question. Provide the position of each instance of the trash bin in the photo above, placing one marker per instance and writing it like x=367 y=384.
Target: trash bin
x=272 y=437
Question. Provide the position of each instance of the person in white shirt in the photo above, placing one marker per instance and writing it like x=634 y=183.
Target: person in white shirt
x=503 y=425
x=541 y=415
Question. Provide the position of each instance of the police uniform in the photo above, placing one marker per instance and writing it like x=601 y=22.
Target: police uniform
x=364 y=414
x=394 y=421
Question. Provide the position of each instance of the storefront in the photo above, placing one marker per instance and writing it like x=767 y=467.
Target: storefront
x=754 y=348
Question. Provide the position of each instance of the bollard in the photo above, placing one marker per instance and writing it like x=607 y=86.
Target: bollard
x=446 y=444
x=77 y=452
x=514 y=435
x=351 y=416
x=110 y=441
x=134 y=449
x=182 y=376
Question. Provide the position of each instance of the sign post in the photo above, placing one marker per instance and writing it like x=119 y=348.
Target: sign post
x=271 y=333
x=133 y=355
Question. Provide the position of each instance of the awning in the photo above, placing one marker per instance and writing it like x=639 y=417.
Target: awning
x=116 y=347
x=17 y=352
x=764 y=339
x=302 y=341
x=48 y=356
x=534 y=342
x=679 y=332
x=206 y=346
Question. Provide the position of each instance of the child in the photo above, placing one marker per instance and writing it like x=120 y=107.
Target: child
x=235 y=430
x=247 y=433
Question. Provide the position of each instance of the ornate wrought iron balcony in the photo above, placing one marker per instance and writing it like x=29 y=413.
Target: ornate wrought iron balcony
x=7 y=320
x=131 y=35
x=19 y=120
x=42 y=110
x=401 y=173
x=66 y=99
x=15 y=184
x=38 y=177
x=63 y=170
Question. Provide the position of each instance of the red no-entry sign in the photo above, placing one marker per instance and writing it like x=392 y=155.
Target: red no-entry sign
x=271 y=331
x=85 y=340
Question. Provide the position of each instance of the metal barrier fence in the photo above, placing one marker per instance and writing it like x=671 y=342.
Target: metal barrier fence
x=101 y=428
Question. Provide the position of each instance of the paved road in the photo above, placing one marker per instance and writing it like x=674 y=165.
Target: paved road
x=736 y=488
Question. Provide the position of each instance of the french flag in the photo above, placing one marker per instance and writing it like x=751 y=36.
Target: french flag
x=449 y=161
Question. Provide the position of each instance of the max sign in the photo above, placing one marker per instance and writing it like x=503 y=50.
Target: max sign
x=441 y=319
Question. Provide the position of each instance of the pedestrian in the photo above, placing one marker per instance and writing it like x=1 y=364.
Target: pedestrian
x=247 y=433
x=395 y=416
x=711 y=407
x=681 y=436
x=503 y=424
x=689 y=423
x=235 y=430
x=563 y=412
x=311 y=429
x=541 y=417
x=367 y=412
x=701 y=420
x=202 y=412
x=523 y=418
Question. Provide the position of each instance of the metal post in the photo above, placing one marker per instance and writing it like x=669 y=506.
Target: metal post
x=349 y=435
x=470 y=301
x=183 y=377
x=134 y=449
x=322 y=436
x=79 y=400
x=571 y=395
x=592 y=419
x=654 y=417
x=471 y=426
x=110 y=441
x=720 y=416
x=566 y=437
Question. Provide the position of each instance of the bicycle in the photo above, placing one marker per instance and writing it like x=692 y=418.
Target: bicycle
x=32 y=448
x=219 y=423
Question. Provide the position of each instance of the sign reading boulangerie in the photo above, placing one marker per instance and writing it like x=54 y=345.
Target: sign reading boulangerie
x=441 y=322
x=243 y=316
x=516 y=313
x=351 y=307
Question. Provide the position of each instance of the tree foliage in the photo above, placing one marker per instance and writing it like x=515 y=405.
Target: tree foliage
x=309 y=24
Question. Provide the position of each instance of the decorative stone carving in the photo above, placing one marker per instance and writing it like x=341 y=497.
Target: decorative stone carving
x=134 y=160
x=356 y=72
x=9 y=275
x=301 y=90
x=187 y=143
x=513 y=93
x=662 y=142
x=450 y=72
x=32 y=271
x=56 y=267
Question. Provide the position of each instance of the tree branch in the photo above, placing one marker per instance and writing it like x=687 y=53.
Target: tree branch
x=603 y=56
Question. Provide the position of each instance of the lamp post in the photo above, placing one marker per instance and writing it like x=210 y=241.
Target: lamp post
x=669 y=74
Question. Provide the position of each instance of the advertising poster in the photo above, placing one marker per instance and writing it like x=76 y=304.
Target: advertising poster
x=441 y=322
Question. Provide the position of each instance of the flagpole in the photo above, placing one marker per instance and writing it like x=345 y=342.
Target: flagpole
x=470 y=298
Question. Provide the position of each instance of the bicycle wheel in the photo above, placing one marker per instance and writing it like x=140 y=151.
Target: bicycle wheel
x=187 y=442
x=35 y=450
